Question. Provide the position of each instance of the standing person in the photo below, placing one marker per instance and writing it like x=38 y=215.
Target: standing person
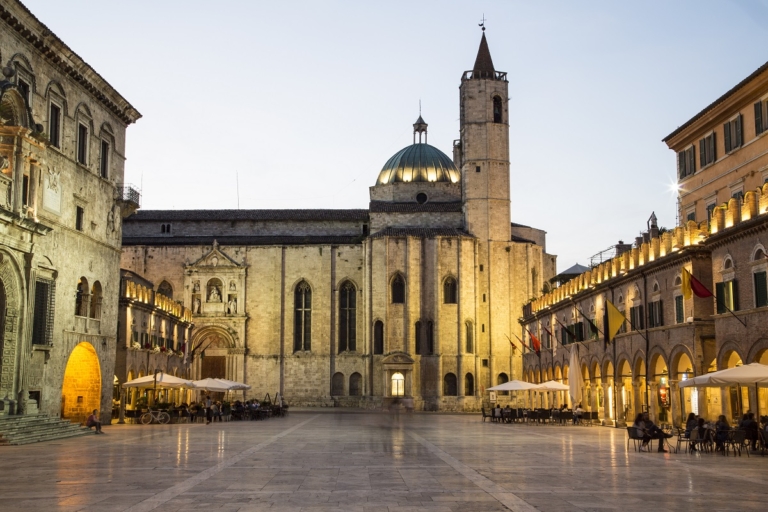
x=93 y=421
x=208 y=409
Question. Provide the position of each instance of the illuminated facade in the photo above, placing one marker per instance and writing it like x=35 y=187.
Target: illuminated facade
x=417 y=296
x=720 y=240
x=62 y=200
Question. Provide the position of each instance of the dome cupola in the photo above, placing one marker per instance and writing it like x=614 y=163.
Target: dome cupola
x=419 y=162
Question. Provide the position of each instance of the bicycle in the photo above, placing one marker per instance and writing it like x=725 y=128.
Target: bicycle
x=160 y=417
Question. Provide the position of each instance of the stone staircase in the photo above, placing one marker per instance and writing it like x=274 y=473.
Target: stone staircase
x=34 y=429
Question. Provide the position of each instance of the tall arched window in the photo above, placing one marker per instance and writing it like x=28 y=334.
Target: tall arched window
x=355 y=384
x=450 y=294
x=398 y=290
x=166 y=289
x=430 y=337
x=501 y=379
x=81 y=298
x=96 y=300
x=302 y=318
x=470 y=337
x=497 y=109
x=469 y=385
x=337 y=384
x=347 y=317
x=378 y=337
x=449 y=385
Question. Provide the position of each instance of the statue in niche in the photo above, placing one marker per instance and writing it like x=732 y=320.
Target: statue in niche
x=214 y=296
x=196 y=306
x=196 y=287
x=232 y=306
x=232 y=286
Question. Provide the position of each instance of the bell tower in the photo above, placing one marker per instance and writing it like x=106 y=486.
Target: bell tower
x=484 y=149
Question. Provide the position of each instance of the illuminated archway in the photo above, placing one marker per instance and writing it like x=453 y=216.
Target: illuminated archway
x=81 y=389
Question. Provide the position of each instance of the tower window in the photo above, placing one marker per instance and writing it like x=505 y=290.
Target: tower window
x=54 y=126
x=398 y=290
x=104 y=161
x=497 y=109
x=450 y=291
x=477 y=168
x=82 y=144
x=347 y=317
x=302 y=332
x=378 y=337
x=79 y=218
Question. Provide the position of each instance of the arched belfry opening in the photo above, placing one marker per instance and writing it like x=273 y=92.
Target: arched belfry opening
x=420 y=127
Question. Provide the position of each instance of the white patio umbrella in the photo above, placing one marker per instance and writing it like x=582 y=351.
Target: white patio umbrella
x=513 y=385
x=574 y=377
x=754 y=374
x=210 y=384
x=552 y=385
x=233 y=385
x=159 y=380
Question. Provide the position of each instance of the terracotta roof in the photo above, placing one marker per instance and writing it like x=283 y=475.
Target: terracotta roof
x=717 y=101
x=241 y=240
x=483 y=67
x=257 y=215
x=422 y=232
x=383 y=206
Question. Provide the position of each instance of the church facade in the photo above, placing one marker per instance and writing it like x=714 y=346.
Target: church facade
x=417 y=296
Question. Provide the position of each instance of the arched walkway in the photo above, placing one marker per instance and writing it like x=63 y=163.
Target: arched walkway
x=81 y=389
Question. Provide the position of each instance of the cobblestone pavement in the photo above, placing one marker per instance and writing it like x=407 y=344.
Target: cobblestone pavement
x=329 y=461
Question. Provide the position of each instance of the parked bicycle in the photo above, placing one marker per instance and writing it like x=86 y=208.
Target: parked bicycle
x=151 y=416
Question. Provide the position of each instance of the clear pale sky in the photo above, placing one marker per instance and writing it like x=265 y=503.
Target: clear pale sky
x=304 y=101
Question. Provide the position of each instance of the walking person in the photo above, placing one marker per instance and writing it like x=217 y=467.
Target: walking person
x=208 y=409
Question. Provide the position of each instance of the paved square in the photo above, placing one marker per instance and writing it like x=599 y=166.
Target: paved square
x=328 y=461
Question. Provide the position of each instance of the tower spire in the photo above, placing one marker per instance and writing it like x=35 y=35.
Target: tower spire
x=483 y=67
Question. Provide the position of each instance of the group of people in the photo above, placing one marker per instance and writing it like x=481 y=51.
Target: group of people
x=719 y=434
x=647 y=431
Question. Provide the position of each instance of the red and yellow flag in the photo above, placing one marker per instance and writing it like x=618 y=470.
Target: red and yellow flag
x=691 y=286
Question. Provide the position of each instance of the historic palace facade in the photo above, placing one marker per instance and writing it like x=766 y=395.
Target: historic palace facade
x=417 y=296
x=723 y=182
x=62 y=200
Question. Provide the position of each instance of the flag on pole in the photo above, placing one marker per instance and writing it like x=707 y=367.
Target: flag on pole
x=614 y=320
x=691 y=286
x=535 y=342
x=574 y=376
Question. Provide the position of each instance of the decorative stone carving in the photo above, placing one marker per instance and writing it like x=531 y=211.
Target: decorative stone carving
x=196 y=306
x=214 y=295
x=232 y=306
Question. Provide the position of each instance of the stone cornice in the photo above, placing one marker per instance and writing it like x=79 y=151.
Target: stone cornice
x=61 y=57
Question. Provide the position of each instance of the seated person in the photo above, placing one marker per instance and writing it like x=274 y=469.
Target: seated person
x=654 y=432
x=93 y=421
x=578 y=412
x=750 y=426
x=690 y=424
x=721 y=432
x=703 y=432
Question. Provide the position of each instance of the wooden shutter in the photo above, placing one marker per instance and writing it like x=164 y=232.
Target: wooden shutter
x=735 y=294
x=679 y=313
x=727 y=134
x=712 y=148
x=758 y=118
x=681 y=165
x=739 y=133
x=660 y=314
x=691 y=165
x=641 y=317
x=761 y=289
x=720 y=298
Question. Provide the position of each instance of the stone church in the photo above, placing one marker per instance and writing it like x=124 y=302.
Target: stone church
x=417 y=296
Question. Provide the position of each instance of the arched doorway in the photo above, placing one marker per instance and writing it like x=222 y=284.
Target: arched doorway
x=626 y=393
x=661 y=399
x=689 y=395
x=81 y=389
x=609 y=409
x=735 y=404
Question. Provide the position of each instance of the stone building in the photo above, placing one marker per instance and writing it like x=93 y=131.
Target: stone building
x=153 y=335
x=721 y=242
x=417 y=296
x=62 y=200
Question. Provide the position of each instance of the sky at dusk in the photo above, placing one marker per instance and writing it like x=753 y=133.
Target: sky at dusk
x=302 y=103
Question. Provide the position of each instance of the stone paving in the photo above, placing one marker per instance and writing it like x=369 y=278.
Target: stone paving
x=347 y=461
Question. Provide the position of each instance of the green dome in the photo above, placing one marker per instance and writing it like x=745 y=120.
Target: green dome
x=419 y=163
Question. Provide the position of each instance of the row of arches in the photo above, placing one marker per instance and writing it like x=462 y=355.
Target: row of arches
x=355 y=385
x=450 y=385
x=397 y=290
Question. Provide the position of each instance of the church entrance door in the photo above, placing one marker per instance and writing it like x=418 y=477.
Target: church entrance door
x=214 y=367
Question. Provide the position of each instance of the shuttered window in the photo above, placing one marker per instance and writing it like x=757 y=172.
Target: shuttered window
x=45 y=301
x=759 y=118
x=761 y=289
x=655 y=314
x=679 y=312
x=727 y=296
x=707 y=150
x=733 y=134
x=637 y=318
x=686 y=162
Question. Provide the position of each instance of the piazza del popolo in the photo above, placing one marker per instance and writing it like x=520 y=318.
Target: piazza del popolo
x=418 y=296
